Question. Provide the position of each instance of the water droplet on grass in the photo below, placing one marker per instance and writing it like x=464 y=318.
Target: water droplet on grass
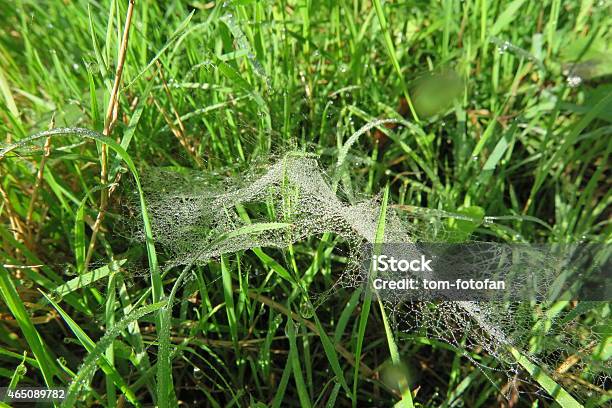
x=21 y=370
x=306 y=309
x=197 y=373
x=573 y=80
x=503 y=47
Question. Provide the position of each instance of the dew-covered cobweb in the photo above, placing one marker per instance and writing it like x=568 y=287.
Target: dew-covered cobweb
x=198 y=216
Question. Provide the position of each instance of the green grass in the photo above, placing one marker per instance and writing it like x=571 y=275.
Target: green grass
x=491 y=136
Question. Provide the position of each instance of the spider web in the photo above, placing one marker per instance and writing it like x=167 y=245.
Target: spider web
x=198 y=217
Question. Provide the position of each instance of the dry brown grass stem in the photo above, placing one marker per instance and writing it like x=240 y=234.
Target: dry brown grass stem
x=111 y=117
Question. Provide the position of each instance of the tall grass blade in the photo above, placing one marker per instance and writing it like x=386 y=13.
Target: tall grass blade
x=43 y=355
x=88 y=367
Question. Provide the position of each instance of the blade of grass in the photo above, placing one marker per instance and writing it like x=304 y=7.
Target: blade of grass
x=5 y=89
x=79 y=238
x=88 y=278
x=393 y=350
x=89 y=345
x=506 y=17
x=19 y=373
x=331 y=402
x=88 y=368
x=296 y=366
x=228 y=295
x=382 y=20
x=365 y=311
x=109 y=317
x=43 y=355
x=560 y=395
x=332 y=356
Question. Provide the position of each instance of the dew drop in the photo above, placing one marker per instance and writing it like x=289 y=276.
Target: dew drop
x=306 y=310
x=503 y=47
x=278 y=319
x=21 y=370
x=197 y=373
x=574 y=80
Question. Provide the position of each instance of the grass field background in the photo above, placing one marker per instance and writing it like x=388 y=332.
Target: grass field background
x=504 y=135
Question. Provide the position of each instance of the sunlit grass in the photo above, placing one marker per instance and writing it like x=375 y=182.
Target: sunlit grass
x=495 y=114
